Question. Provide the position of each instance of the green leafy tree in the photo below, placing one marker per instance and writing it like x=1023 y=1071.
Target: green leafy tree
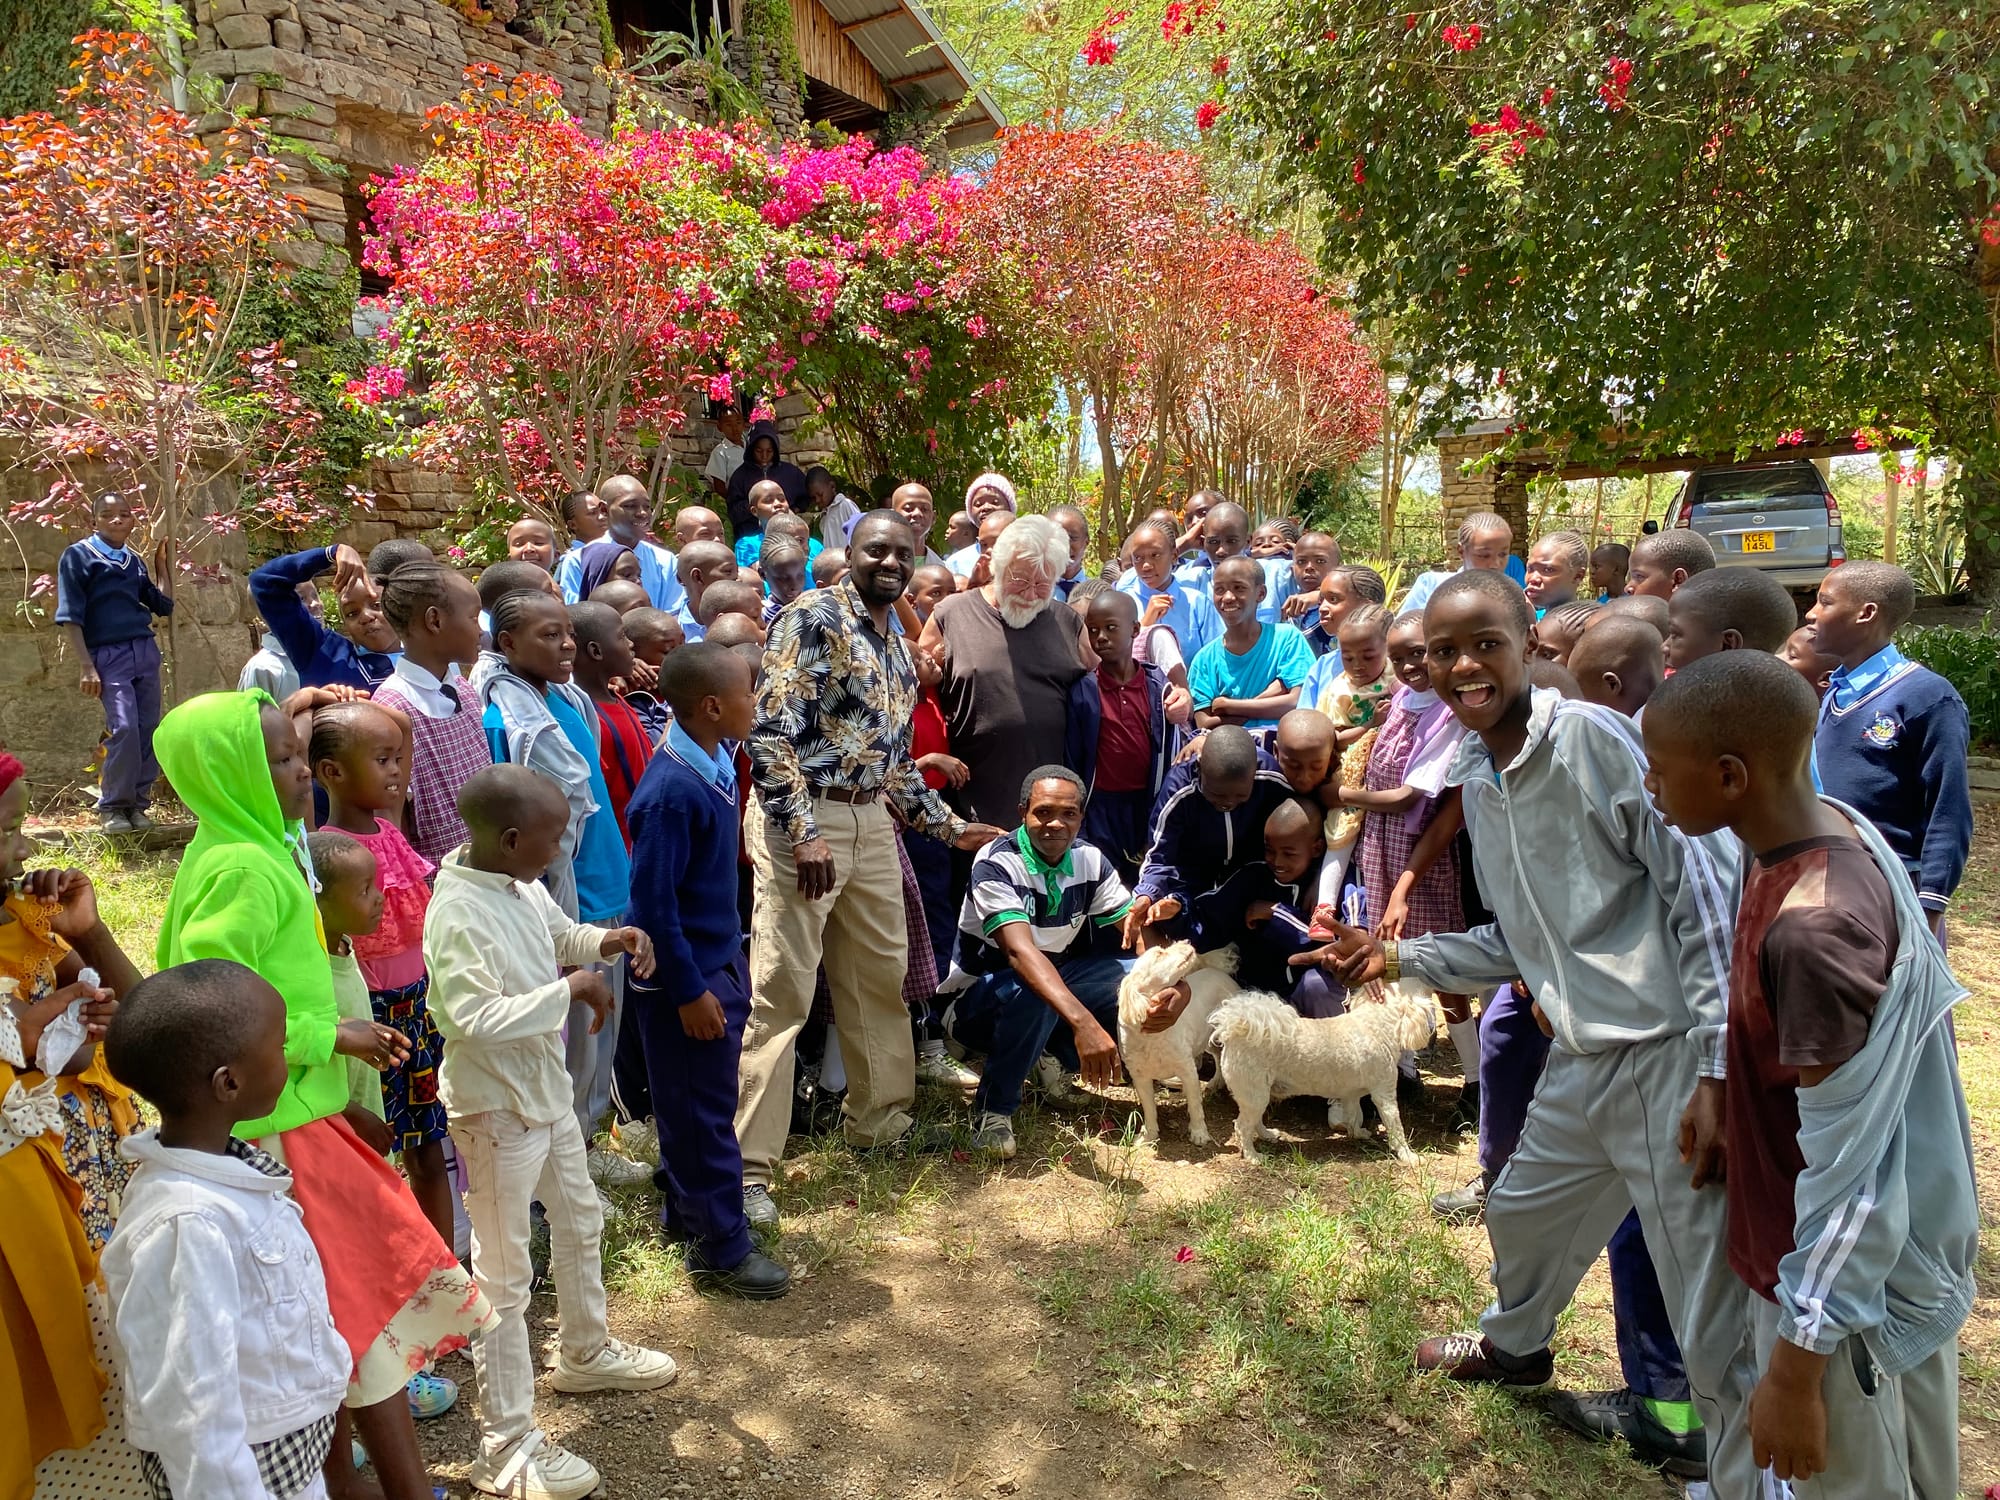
x=1685 y=225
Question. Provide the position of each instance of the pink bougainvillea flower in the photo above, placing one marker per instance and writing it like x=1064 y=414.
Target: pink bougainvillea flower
x=1206 y=114
x=721 y=388
x=1462 y=38
x=1548 y=97
x=1099 y=50
x=1360 y=171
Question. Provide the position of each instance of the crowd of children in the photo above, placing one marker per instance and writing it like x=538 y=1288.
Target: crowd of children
x=477 y=886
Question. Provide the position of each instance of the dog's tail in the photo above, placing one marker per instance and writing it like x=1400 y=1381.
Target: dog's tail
x=1256 y=1020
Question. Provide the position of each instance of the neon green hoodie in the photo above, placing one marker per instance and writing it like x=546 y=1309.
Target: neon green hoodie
x=239 y=894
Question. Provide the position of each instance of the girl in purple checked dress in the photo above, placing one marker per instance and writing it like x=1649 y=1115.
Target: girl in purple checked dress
x=1403 y=797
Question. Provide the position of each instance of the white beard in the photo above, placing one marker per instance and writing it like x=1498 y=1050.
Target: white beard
x=1019 y=616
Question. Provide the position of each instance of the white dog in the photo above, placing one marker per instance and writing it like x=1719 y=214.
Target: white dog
x=1270 y=1051
x=1155 y=1056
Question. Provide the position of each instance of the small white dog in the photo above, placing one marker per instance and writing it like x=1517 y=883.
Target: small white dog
x=1155 y=1056
x=1270 y=1051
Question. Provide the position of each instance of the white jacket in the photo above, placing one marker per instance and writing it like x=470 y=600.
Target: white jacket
x=220 y=1309
x=496 y=948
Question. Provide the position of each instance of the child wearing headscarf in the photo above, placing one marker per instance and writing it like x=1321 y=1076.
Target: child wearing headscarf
x=62 y=1422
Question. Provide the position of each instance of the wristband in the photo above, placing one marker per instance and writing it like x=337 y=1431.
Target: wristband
x=1392 y=963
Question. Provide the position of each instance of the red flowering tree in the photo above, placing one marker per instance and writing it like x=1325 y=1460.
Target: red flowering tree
x=127 y=249
x=1285 y=388
x=917 y=358
x=1102 y=234
x=1204 y=353
x=560 y=300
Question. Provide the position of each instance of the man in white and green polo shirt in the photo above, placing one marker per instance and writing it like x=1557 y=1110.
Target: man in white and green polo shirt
x=1039 y=936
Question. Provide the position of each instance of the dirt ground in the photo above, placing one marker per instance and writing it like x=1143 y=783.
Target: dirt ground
x=1097 y=1319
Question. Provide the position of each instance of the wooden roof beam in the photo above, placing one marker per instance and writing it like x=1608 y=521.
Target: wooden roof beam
x=848 y=28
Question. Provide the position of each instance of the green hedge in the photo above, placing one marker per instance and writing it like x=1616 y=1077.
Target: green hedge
x=1970 y=661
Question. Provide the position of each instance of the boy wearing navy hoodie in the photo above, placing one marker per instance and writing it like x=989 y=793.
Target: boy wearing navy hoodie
x=106 y=600
x=692 y=1010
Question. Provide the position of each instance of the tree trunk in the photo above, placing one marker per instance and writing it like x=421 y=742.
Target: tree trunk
x=1892 y=488
x=1979 y=497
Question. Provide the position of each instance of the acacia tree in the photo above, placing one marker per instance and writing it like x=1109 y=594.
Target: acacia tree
x=1671 y=227
x=127 y=249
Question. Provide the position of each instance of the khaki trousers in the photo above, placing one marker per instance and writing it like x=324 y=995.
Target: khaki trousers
x=858 y=932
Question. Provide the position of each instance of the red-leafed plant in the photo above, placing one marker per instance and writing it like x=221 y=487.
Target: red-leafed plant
x=128 y=246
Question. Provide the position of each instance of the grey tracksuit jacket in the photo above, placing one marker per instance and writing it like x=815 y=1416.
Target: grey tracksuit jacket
x=1619 y=925
x=1888 y=1216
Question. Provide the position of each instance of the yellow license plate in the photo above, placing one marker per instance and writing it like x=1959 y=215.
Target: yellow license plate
x=1760 y=541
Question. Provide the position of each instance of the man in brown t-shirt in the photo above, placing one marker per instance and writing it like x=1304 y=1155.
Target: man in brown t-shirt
x=1858 y=1389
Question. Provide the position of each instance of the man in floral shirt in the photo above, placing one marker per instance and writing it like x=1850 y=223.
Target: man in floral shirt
x=831 y=746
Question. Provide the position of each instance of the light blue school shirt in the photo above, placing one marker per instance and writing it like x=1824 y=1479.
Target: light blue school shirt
x=1280 y=655
x=1192 y=619
x=1279 y=584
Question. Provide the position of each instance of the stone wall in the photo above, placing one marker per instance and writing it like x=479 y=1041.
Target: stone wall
x=351 y=80
x=1469 y=488
x=44 y=719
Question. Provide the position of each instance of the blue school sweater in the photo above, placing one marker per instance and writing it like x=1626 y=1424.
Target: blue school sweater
x=323 y=656
x=684 y=841
x=107 y=593
x=1893 y=748
x=1195 y=848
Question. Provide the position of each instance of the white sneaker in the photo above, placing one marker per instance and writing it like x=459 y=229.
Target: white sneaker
x=638 y=1140
x=1052 y=1078
x=536 y=1468
x=617 y=1367
x=938 y=1068
x=609 y=1169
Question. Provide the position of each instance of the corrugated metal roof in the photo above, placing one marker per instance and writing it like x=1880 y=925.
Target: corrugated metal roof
x=917 y=64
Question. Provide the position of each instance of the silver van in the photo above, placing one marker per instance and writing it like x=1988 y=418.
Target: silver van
x=1779 y=516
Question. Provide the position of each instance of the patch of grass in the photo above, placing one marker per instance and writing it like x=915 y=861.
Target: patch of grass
x=132 y=887
x=1299 y=1311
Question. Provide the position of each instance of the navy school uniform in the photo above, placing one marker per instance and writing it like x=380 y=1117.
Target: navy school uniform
x=683 y=819
x=1194 y=848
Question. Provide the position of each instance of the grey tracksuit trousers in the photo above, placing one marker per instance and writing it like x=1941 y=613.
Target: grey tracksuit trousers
x=1601 y=1139
x=1888 y=1437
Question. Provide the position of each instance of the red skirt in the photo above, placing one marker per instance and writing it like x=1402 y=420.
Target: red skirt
x=375 y=1244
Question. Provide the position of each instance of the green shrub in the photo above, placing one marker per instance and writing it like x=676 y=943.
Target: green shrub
x=1970 y=661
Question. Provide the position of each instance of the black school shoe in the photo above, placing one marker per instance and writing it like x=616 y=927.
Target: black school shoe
x=756 y=1277
x=1604 y=1415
